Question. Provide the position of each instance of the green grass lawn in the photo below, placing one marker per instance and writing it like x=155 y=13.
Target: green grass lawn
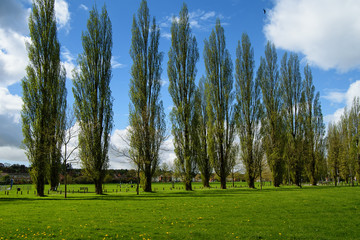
x=237 y=213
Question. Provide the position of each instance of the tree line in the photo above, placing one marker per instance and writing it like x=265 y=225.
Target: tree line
x=266 y=117
x=343 y=150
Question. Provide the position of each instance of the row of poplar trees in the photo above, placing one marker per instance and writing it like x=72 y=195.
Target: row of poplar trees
x=44 y=96
x=276 y=115
x=343 y=144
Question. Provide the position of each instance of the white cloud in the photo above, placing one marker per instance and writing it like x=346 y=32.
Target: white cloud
x=10 y=104
x=164 y=82
x=208 y=15
x=13 y=57
x=166 y=35
x=327 y=32
x=83 y=7
x=345 y=97
x=62 y=14
x=69 y=62
x=198 y=19
x=9 y=153
x=10 y=127
x=335 y=117
x=342 y=97
x=119 y=141
x=115 y=64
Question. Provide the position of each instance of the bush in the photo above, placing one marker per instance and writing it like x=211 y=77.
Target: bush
x=108 y=178
x=82 y=180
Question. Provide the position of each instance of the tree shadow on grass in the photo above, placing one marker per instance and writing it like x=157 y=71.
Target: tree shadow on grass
x=156 y=195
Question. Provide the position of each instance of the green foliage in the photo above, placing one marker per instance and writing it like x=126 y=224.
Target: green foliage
x=292 y=89
x=354 y=132
x=203 y=161
x=249 y=109
x=44 y=97
x=272 y=124
x=314 y=143
x=183 y=55
x=334 y=147
x=146 y=117
x=93 y=101
x=220 y=103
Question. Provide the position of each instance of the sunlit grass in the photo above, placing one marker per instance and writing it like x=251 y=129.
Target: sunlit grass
x=239 y=213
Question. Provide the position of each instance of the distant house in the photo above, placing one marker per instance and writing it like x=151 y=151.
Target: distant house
x=19 y=178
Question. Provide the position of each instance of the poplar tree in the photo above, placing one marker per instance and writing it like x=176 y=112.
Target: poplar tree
x=203 y=161
x=292 y=89
x=44 y=97
x=354 y=128
x=345 y=143
x=334 y=145
x=220 y=104
x=314 y=129
x=249 y=107
x=93 y=101
x=272 y=124
x=146 y=118
x=183 y=56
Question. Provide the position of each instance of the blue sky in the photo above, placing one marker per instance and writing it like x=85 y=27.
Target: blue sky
x=325 y=34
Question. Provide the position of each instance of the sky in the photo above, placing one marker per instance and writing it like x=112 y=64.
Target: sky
x=324 y=33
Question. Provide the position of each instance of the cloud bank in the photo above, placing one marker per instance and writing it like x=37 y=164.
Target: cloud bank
x=327 y=32
x=342 y=97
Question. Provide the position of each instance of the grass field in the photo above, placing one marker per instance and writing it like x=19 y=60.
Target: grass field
x=324 y=212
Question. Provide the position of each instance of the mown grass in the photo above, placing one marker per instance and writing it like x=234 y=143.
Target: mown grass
x=239 y=213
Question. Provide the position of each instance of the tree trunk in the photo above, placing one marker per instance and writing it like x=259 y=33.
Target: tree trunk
x=223 y=181
x=147 y=180
x=40 y=185
x=98 y=186
x=205 y=181
x=65 y=180
x=188 y=186
x=251 y=182
x=138 y=181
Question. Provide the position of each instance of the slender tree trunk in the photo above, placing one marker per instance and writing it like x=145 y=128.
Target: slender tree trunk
x=205 y=180
x=251 y=182
x=233 y=179
x=223 y=182
x=138 y=181
x=40 y=185
x=188 y=186
x=98 y=186
x=147 y=180
x=222 y=176
x=65 y=179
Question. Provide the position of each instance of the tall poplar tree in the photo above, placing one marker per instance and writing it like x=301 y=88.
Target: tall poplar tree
x=146 y=118
x=93 y=101
x=292 y=89
x=272 y=124
x=203 y=161
x=249 y=107
x=354 y=122
x=313 y=151
x=183 y=56
x=220 y=104
x=334 y=145
x=44 y=97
